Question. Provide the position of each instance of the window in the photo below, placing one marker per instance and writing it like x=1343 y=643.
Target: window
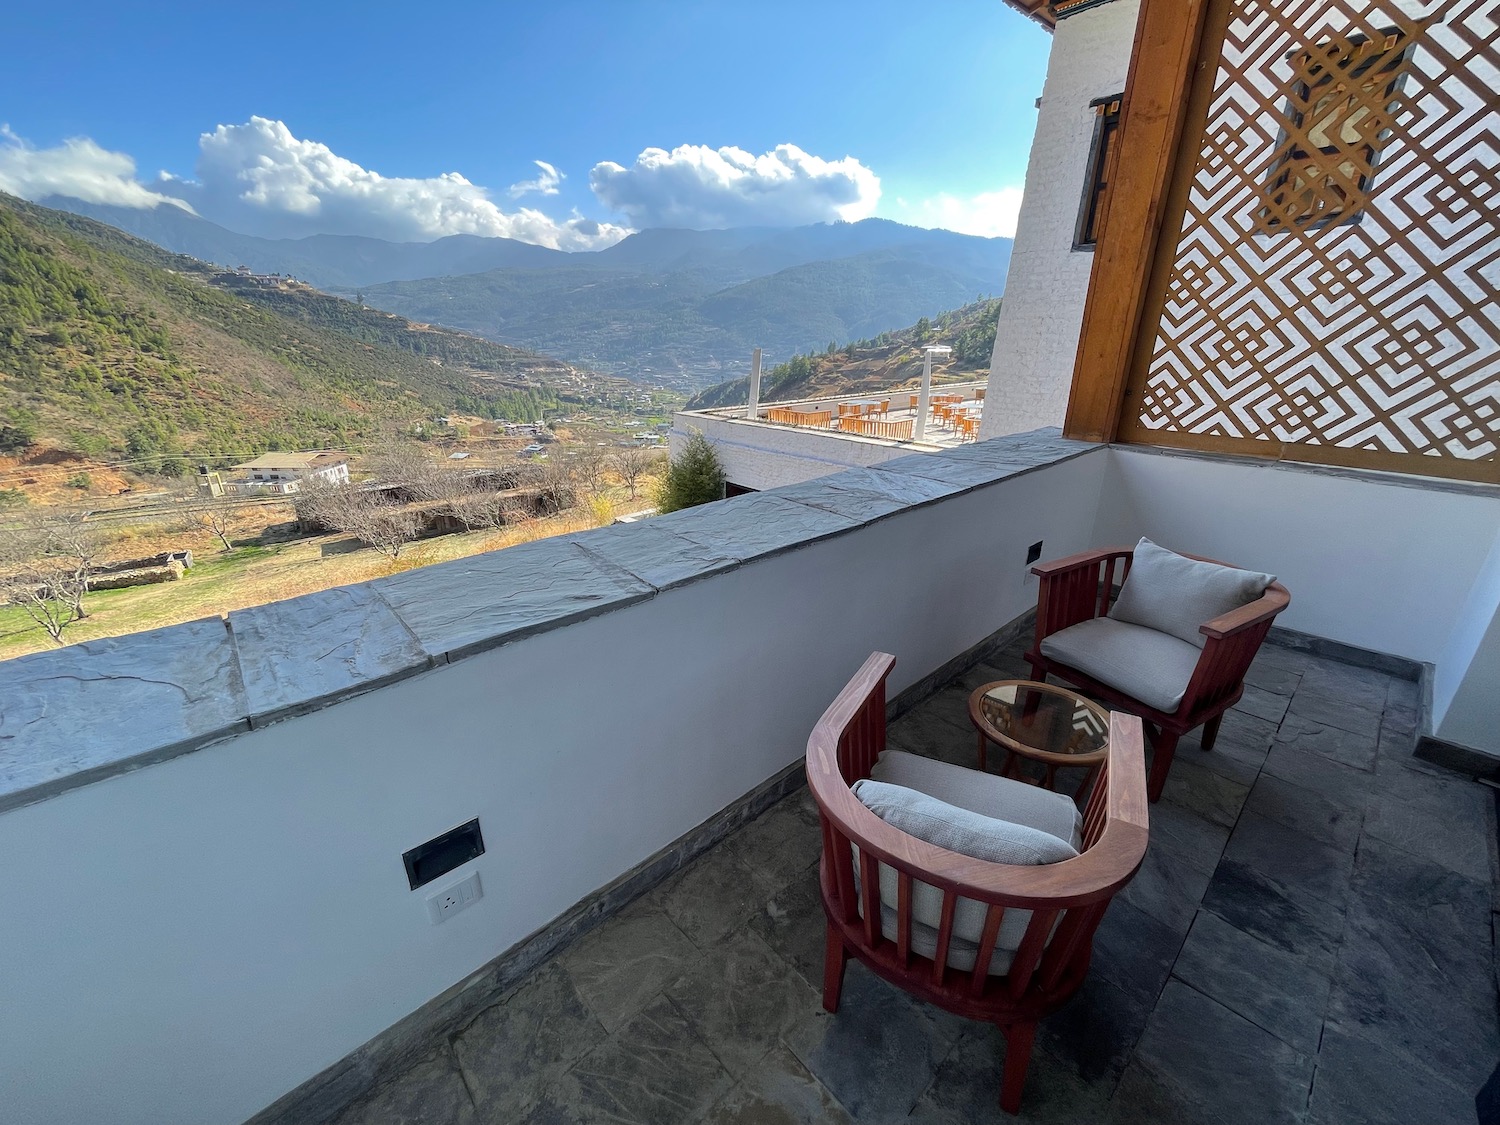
x=1338 y=115
x=1100 y=171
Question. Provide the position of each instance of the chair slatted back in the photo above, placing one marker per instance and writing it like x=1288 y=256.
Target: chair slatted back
x=1066 y=900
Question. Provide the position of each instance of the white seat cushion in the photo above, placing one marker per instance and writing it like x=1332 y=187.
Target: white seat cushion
x=1145 y=664
x=1175 y=595
x=972 y=813
x=983 y=793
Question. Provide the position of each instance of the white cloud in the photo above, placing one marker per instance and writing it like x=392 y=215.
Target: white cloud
x=260 y=178
x=545 y=183
x=78 y=168
x=989 y=214
x=705 y=188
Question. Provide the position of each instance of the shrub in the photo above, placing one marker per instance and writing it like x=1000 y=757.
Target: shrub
x=694 y=477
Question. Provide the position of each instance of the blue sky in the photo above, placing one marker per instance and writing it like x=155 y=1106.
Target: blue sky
x=375 y=101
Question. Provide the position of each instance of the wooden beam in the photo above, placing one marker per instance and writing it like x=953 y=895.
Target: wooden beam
x=1162 y=65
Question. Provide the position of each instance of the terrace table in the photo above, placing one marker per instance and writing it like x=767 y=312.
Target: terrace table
x=1044 y=723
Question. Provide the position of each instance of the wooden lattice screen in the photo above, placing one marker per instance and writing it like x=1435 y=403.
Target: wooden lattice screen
x=1326 y=285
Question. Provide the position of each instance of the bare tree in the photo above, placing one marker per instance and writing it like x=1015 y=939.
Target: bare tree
x=385 y=527
x=219 y=517
x=408 y=466
x=478 y=509
x=635 y=463
x=44 y=570
x=556 y=486
x=590 y=463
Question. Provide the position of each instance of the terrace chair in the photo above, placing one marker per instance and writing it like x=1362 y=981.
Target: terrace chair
x=1173 y=646
x=915 y=402
x=973 y=892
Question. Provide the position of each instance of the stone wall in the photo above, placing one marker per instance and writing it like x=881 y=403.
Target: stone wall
x=1037 y=337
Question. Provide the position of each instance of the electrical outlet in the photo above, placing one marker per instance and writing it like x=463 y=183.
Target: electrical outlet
x=443 y=904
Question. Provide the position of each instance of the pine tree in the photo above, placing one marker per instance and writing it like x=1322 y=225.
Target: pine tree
x=695 y=476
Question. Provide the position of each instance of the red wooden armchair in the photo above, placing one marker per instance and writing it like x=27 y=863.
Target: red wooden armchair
x=1082 y=588
x=1015 y=981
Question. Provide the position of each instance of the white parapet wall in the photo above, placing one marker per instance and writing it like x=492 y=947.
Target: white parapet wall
x=1036 y=338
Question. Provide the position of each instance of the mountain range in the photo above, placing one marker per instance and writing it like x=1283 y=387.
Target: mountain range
x=680 y=307
x=115 y=348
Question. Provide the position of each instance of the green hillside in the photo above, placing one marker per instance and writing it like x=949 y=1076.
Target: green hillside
x=885 y=362
x=112 y=346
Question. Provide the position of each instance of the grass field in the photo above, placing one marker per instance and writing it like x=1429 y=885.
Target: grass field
x=260 y=569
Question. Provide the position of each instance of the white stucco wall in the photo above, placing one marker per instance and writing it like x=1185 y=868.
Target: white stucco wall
x=1372 y=560
x=1037 y=335
x=1466 y=686
x=188 y=942
x=760 y=456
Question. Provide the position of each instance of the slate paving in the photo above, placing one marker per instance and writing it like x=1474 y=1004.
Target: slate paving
x=1310 y=940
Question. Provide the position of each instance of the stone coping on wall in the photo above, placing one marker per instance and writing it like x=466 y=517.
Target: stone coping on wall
x=89 y=711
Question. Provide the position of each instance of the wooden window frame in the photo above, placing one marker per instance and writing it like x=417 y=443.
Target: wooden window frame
x=1103 y=150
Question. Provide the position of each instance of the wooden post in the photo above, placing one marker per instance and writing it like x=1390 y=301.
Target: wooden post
x=1162 y=65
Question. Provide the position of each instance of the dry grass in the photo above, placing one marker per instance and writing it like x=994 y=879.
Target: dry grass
x=265 y=570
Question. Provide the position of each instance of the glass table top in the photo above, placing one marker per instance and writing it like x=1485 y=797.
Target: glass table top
x=1040 y=717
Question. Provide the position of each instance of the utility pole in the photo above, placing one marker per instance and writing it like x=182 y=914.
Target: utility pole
x=920 y=429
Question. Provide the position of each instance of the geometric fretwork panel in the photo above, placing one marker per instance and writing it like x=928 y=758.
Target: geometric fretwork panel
x=1331 y=293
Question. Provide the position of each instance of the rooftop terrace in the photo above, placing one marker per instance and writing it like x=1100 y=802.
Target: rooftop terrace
x=1309 y=941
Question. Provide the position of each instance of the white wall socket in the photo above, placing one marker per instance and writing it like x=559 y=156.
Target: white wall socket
x=443 y=904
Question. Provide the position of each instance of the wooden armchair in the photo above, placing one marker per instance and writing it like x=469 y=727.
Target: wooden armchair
x=1082 y=587
x=1033 y=949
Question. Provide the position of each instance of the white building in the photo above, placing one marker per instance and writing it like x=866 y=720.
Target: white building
x=285 y=473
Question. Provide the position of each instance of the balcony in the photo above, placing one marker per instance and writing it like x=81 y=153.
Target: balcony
x=204 y=825
x=774 y=449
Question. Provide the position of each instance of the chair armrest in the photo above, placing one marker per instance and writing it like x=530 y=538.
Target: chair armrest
x=1082 y=559
x=1268 y=605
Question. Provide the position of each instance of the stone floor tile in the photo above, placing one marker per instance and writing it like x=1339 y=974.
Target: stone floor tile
x=1095 y=1031
x=1320 y=710
x=1359 y=1080
x=987 y=672
x=654 y=1071
x=1275 y=990
x=1134 y=951
x=430 y=1092
x=1445 y=819
x=966 y=1088
x=1347 y=747
x=1268 y=677
x=1416 y=973
x=1193 y=786
x=739 y=998
x=1184 y=833
x=1334 y=780
x=779 y=1092
x=1240 y=750
x=1169 y=887
x=879 y=1052
x=1283 y=887
x=714 y=895
x=1402 y=695
x=951 y=704
x=1140 y=1099
x=923 y=732
x=513 y=1049
x=1263 y=704
x=1281 y=656
x=621 y=966
x=793 y=924
x=778 y=845
x=1346 y=683
x=1218 y=1062
x=1331 y=821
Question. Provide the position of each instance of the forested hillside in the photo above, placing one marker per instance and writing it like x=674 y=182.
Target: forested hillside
x=111 y=346
x=883 y=362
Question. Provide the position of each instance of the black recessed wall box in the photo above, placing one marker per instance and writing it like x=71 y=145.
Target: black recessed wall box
x=442 y=854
